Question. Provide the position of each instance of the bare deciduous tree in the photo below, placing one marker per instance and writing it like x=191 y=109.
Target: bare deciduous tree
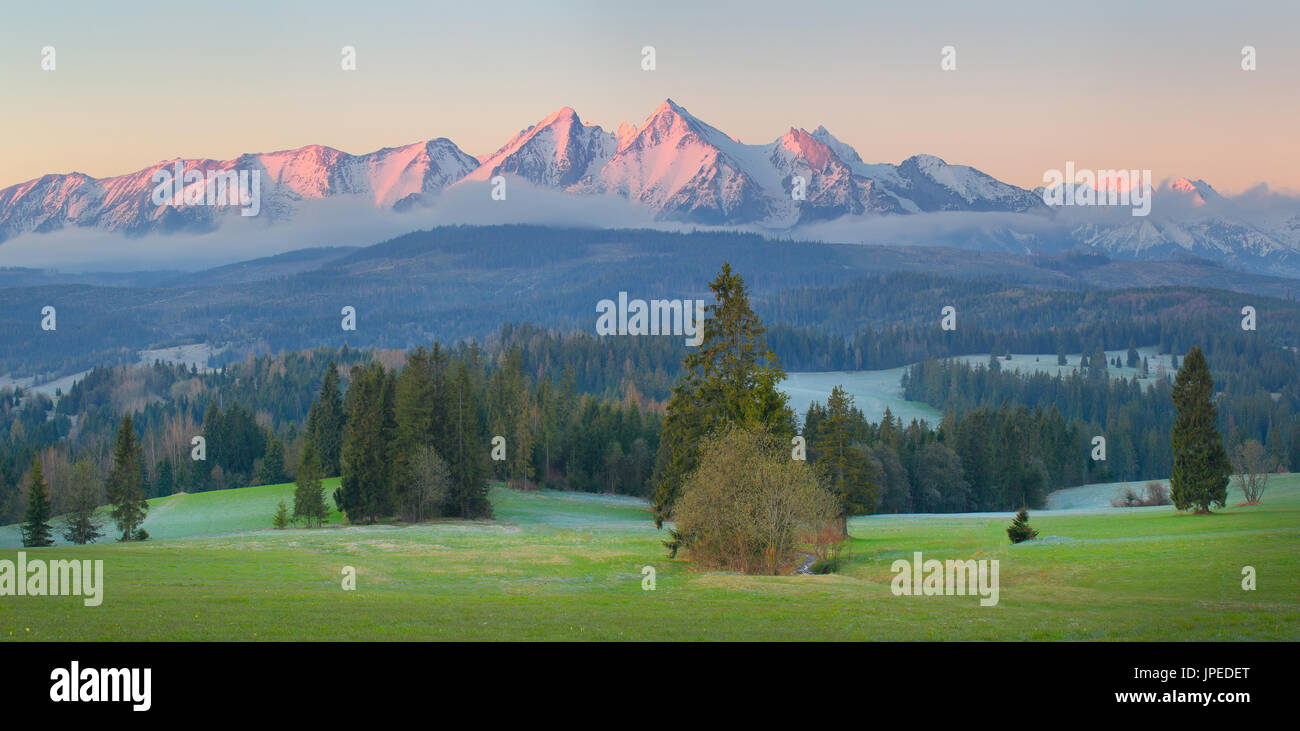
x=1252 y=465
x=428 y=485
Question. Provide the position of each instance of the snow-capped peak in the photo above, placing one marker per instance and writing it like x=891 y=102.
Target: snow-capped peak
x=558 y=151
x=674 y=162
x=841 y=150
x=809 y=148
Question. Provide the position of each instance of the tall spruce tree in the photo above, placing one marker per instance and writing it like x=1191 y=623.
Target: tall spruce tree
x=166 y=477
x=730 y=379
x=214 y=440
x=81 y=526
x=1201 y=467
x=466 y=452
x=123 y=485
x=325 y=423
x=367 y=445
x=511 y=415
x=422 y=413
x=273 y=471
x=849 y=472
x=309 y=493
x=1097 y=365
x=36 y=529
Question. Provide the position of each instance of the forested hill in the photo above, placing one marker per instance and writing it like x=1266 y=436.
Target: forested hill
x=458 y=283
x=1258 y=397
x=255 y=417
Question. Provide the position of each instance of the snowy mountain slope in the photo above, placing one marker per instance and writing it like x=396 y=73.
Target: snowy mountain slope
x=124 y=203
x=686 y=170
x=556 y=152
x=689 y=171
x=1190 y=217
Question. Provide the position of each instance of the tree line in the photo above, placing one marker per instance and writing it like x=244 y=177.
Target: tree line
x=1134 y=415
x=257 y=418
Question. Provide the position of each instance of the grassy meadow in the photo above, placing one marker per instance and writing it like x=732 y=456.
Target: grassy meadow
x=563 y=566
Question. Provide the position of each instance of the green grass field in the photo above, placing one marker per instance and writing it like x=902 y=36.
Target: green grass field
x=566 y=566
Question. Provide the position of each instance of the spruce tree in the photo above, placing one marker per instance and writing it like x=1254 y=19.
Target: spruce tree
x=1097 y=365
x=849 y=472
x=81 y=526
x=1019 y=529
x=325 y=423
x=145 y=486
x=280 y=520
x=273 y=471
x=1201 y=467
x=123 y=486
x=415 y=406
x=214 y=438
x=309 y=494
x=368 y=490
x=465 y=449
x=730 y=378
x=166 y=477
x=36 y=530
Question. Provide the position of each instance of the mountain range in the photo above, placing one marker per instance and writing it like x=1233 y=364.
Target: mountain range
x=684 y=171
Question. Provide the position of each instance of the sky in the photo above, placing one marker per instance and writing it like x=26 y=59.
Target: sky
x=1152 y=85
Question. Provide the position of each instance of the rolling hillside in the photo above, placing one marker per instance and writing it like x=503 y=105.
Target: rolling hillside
x=567 y=566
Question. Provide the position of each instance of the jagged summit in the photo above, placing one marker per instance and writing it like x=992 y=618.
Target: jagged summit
x=675 y=163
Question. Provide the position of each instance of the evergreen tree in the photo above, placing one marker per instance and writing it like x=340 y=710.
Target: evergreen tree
x=730 y=379
x=417 y=407
x=214 y=439
x=511 y=415
x=145 y=486
x=465 y=449
x=123 y=486
x=81 y=527
x=1097 y=365
x=848 y=470
x=1019 y=529
x=367 y=444
x=1201 y=466
x=280 y=520
x=309 y=494
x=273 y=471
x=166 y=477
x=325 y=423
x=1133 y=357
x=36 y=530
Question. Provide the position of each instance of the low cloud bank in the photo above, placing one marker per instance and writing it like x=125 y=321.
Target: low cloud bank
x=354 y=221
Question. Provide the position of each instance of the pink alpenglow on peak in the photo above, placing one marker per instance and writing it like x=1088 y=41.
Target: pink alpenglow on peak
x=678 y=169
x=807 y=147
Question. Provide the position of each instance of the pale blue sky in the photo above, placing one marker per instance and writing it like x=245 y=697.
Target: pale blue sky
x=1154 y=85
